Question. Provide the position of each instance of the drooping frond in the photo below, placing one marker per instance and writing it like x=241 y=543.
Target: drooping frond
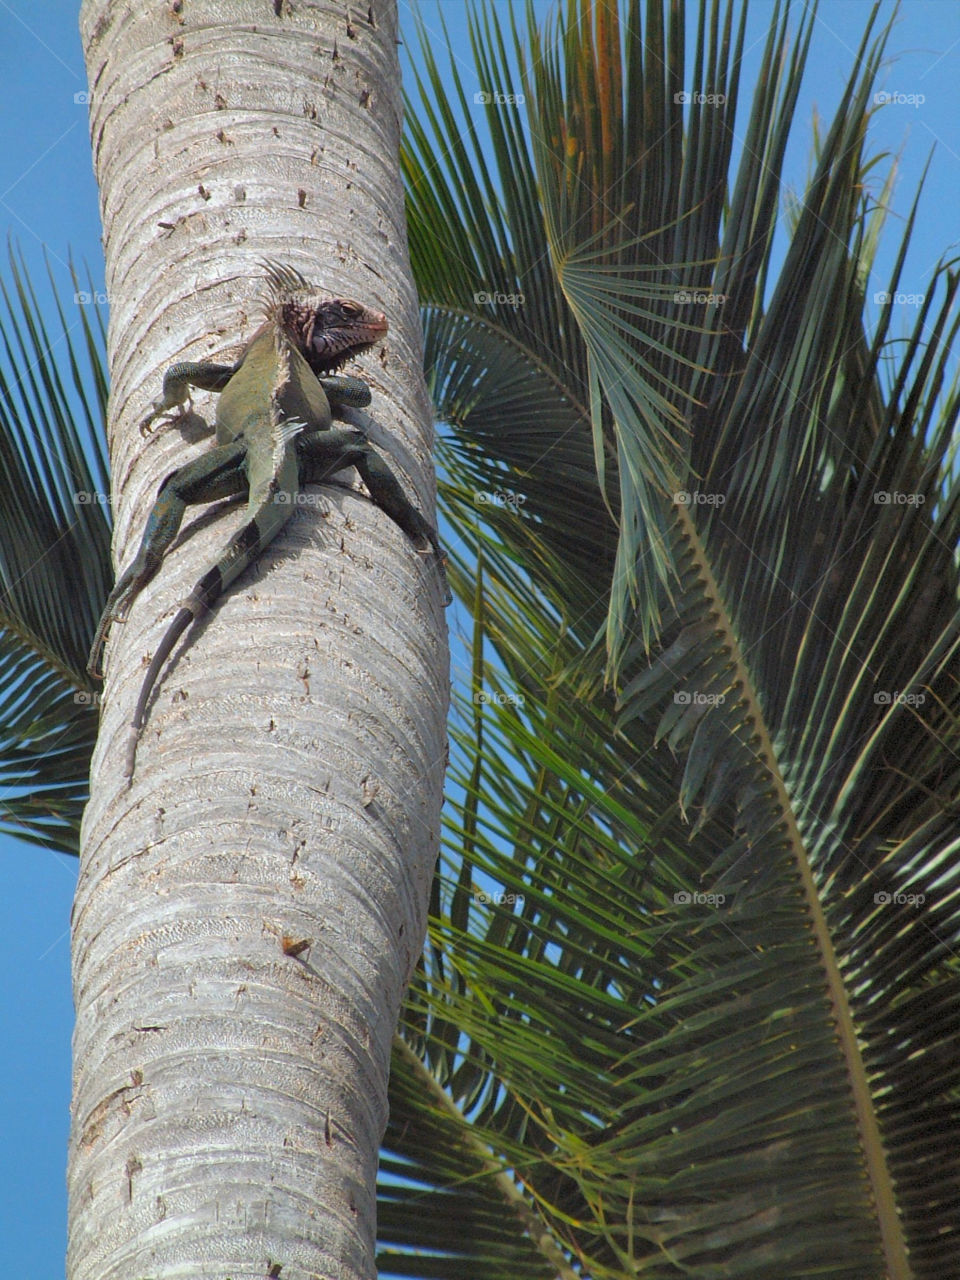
x=54 y=559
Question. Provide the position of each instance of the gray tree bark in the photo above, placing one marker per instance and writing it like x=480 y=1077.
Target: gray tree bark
x=229 y=1082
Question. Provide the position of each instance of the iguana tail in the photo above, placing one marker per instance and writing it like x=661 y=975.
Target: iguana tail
x=176 y=629
x=268 y=518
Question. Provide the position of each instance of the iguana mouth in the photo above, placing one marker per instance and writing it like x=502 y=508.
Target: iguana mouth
x=336 y=331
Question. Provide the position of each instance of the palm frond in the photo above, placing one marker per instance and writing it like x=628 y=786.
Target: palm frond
x=54 y=559
x=444 y=1206
x=711 y=1038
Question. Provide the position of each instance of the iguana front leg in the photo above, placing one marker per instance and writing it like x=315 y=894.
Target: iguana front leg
x=219 y=474
x=177 y=382
x=345 y=393
x=315 y=458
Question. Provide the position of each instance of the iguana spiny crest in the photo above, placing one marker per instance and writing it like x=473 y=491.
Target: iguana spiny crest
x=327 y=331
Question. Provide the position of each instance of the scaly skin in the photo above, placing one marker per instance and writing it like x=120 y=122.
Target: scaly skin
x=275 y=433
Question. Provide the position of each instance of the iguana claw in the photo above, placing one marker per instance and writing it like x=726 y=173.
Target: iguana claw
x=173 y=412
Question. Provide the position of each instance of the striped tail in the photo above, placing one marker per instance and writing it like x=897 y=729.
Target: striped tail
x=243 y=548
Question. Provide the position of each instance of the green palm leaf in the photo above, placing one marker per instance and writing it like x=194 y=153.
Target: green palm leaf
x=54 y=561
x=749 y=1078
x=442 y=1197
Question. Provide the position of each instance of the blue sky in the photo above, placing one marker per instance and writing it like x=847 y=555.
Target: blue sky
x=48 y=202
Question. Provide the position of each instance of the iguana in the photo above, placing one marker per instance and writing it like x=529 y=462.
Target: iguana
x=274 y=434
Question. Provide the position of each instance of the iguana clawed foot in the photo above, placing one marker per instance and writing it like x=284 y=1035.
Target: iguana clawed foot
x=172 y=412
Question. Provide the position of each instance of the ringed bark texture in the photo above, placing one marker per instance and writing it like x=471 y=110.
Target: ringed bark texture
x=251 y=906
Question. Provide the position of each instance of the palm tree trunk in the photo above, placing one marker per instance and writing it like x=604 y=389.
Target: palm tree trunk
x=251 y=906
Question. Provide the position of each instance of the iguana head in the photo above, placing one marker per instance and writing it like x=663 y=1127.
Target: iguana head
x=327 y=331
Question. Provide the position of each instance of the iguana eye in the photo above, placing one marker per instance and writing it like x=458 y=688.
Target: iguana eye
x=351 y=311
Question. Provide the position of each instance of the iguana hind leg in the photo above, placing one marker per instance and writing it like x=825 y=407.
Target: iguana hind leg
x=274 y=498
x=218 y=474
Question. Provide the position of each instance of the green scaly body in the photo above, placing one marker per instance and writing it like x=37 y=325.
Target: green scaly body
x=275 y=433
